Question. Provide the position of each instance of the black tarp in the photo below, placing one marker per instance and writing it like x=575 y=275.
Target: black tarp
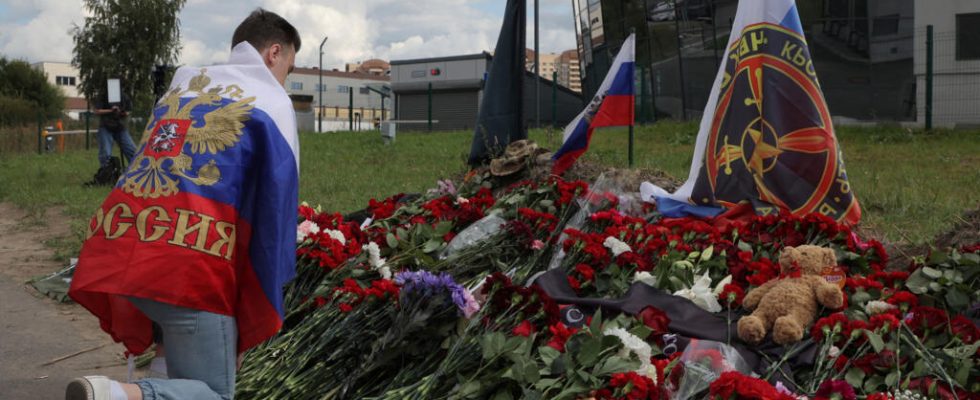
x=500 y=120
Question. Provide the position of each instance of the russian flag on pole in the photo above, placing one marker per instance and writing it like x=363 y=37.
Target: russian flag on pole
x=205 y=216
x=766 y=137
x=611 y=106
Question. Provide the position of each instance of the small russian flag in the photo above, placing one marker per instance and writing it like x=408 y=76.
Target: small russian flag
x=613 y=105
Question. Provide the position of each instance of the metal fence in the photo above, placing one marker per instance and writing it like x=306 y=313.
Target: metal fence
x=947 y=72
x=873 y=62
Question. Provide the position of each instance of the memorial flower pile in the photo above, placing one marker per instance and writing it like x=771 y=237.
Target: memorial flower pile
x=449 y=295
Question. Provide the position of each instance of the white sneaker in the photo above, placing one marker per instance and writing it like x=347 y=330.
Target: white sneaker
x=89 y=388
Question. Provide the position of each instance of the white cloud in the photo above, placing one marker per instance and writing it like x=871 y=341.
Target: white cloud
x=39 y=30
x=358 y=30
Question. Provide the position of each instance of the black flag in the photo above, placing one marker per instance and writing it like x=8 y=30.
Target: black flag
x=501 y=117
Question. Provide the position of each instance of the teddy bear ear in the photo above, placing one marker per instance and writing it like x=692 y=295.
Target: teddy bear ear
x=788 y=255
x=830 y=257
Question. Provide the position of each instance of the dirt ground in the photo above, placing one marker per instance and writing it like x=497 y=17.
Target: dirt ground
x=35 y=330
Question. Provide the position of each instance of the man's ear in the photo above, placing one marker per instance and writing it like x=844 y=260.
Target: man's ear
x=272 y=54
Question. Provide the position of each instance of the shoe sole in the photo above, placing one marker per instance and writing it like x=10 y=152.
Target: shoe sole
x=79 y=389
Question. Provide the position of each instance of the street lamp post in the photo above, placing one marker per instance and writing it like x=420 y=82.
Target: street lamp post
x=320 y=87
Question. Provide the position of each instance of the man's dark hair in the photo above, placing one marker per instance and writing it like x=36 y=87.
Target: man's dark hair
x=264 y=28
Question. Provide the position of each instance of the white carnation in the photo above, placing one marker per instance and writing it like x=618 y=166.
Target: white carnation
x=877 y=307
x=633 y=344
x=336 y=235
x=616 y=246
x=374 y=258
x=649 y=371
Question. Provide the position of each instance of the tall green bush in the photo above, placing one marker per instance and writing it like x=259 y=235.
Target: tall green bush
x=25 y=91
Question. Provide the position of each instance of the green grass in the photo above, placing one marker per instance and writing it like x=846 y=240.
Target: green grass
x=910 y=185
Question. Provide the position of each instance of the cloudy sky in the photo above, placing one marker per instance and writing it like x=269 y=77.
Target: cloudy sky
x=37 y=30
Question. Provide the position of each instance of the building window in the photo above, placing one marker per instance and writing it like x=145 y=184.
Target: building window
x=296 y=86
x=321 y=87
x=65 y=80
x=968 y=36
x=886 y=25
x=364 y=90
x=343 y=89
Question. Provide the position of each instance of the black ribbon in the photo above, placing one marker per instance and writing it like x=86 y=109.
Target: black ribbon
x=687 y=321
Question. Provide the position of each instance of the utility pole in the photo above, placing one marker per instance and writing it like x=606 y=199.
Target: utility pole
x=320 y=87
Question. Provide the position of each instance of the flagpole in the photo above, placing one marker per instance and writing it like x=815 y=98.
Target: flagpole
x=633 y=111
x=537 y=70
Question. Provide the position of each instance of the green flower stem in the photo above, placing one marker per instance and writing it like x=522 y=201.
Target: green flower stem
x=773 y=368
x=922 y=351
x=825 y=374
x=857 y=354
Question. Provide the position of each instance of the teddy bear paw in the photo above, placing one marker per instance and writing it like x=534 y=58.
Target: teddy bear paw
x=830 y=296
x=751 y=329
x=786 y=330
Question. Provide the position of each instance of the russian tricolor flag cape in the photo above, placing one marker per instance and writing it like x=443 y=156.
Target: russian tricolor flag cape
x=612 y=106
x=205 y=215
x=766 y=136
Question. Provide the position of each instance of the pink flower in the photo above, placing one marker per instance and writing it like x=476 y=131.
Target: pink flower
x=472 y=306
x=537 y=244
x=305 y=229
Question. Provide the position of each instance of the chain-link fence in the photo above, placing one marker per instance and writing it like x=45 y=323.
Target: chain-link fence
x=947 y=72
x=870 y=56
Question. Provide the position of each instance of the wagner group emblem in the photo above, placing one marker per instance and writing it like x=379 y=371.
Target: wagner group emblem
x=771 y=140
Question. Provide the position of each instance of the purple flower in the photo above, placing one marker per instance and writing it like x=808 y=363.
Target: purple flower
x=424 y=284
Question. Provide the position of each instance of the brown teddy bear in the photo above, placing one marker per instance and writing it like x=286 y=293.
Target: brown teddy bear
x=788 y=305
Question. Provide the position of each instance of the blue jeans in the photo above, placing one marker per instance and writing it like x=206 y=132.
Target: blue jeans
x=105 y=144
x=201 y=353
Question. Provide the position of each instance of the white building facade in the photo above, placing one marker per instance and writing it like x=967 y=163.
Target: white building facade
x=337 y=99
x=62 y=75
x=955 y=62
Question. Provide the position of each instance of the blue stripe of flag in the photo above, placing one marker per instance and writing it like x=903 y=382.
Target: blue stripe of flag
x=623 y=83
x=577 y=140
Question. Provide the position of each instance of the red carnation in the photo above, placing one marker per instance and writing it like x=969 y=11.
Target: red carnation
x=855 y=325
x=841 y=388
x=922 y=319
x=734 y=384
x=585 y=271
x=840 y=362
x=731 y=295
x=904 y=300
x=828 y=326
x=965 y=329
x=886 y=321
x=525 y=329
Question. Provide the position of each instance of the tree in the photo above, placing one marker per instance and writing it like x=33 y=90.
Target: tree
x=25 y=91
x=125 y=39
